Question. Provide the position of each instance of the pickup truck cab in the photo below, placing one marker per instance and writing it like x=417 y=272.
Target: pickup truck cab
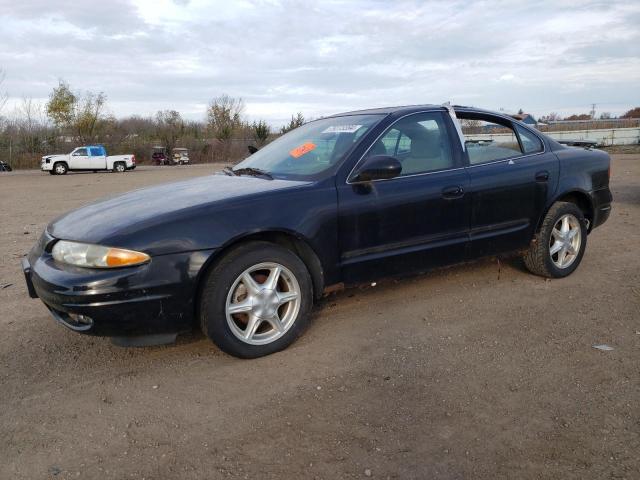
x=90 y=157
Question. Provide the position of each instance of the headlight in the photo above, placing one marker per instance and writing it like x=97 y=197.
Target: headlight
x=96 y=256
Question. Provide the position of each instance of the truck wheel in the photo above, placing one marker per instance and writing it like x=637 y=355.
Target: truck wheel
x=60 y=168
x=557 y=249
x=256 y=300
x=119 y=167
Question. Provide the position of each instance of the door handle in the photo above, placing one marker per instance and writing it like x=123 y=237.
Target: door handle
x=542 y=176
x=453 y=192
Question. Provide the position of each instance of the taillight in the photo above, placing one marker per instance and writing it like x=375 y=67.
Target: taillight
x=133 y=159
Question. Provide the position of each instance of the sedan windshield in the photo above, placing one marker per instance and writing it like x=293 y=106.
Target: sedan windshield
x=310 y=149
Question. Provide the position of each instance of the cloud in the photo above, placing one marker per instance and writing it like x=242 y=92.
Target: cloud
x=284 y=56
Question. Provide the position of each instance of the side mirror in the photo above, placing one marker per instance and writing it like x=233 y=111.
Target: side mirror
x=252 y=149
x=378 y=167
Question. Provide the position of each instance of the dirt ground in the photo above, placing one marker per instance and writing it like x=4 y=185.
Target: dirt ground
x=476 y=371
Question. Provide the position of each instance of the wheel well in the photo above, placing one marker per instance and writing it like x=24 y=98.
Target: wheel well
x=580 y=199
x=286 y=240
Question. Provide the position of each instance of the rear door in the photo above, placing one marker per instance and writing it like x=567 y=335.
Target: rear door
x=511 y=176
x=412 y=222
x=98 y=158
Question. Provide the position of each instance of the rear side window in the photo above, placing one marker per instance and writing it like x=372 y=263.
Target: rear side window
x=530 y=142
x=487 y=141
x=96 y=151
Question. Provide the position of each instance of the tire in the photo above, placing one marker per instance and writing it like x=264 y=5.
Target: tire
x=51 y=172
x=60 y=168
x=119 y=167
x=554 y=253
x=224 y=287
x=180 y=162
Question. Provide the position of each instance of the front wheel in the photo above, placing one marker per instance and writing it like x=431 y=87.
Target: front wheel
x=560 y=244
x=256 y=300
x=60 y=168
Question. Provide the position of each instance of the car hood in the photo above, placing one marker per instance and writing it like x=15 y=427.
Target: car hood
x=57 y=156
x=115 y=221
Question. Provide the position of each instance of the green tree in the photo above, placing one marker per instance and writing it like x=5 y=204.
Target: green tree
x=295 y=122
x=80 y=114
x=260 y=131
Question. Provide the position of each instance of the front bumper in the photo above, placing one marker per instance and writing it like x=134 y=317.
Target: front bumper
x=154 y=298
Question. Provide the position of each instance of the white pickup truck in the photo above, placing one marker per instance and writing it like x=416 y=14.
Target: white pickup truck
x=91 y=157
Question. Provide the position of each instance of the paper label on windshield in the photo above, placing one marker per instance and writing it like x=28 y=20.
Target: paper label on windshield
x=342 y=129
x=302 y=149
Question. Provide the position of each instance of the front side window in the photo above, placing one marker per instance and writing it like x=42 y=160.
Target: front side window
x=487 y=141
x=420 y=142
x=81 y=152
x=312 y=148
x=530 y=142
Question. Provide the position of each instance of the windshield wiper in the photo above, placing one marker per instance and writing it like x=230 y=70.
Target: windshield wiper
x=255 y=172
x=228 y=171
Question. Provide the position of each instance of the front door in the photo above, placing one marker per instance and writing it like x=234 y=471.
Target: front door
x=80 y=159
x=412 y=222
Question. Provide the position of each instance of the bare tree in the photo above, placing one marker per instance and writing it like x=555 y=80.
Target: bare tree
x=169 y=128
x=31 y=124
x=4 y=96
x=633 y=113
x=224 y=116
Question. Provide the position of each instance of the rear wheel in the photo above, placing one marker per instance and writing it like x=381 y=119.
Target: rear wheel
x=60 y=168
x=256 y=300
x=560 y=244
x=119 y=167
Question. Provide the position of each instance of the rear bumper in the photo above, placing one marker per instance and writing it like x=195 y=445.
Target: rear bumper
x=155 y=298
x=601 y=200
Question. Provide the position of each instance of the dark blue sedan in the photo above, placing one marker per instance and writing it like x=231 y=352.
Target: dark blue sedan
x=341 y=200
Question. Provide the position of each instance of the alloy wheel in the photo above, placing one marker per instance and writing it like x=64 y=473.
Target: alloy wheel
x=263 y=303
x=564 y=244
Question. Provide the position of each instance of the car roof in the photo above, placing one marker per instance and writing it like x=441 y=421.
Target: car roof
x=388 y=110
x=404 y=109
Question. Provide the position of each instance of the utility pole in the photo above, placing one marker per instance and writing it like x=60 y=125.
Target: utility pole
x=593 y=111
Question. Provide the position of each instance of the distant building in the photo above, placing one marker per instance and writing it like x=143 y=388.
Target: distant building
x=526 y=118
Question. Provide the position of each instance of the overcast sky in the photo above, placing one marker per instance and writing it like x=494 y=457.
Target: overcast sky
x=326 y=56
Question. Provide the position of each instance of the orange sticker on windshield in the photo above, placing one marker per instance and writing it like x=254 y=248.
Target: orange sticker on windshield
x=302 y=149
